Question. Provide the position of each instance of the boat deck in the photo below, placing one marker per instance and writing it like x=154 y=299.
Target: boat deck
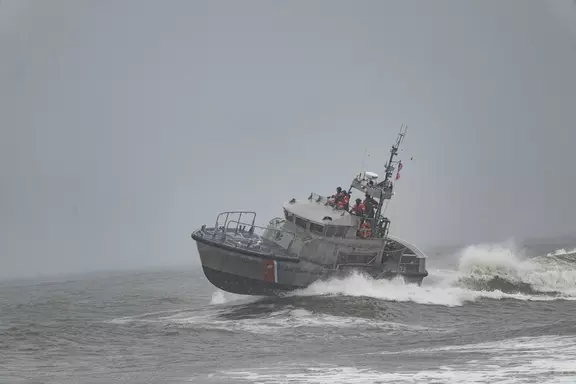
x=244 y=240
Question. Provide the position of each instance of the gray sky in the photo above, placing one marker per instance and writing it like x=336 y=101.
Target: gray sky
x=126 y=124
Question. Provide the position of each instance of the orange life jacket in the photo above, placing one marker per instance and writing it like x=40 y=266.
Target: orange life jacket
x=358 y=209
x=332 y=200
x=342 y=203
x=365 y=230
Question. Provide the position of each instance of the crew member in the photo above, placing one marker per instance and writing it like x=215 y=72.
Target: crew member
x=358 y=209
x=334 y=199
x=344 y=201
x=370 y=205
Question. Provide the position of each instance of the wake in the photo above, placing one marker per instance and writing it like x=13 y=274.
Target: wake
x=484 y=271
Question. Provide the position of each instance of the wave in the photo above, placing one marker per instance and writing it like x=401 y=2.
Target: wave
x=286 y=320
x=521 y=360
x=504 y=268
x=562 y=252
x=492 y=271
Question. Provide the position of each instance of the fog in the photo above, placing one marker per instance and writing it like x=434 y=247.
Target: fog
x=125 y=125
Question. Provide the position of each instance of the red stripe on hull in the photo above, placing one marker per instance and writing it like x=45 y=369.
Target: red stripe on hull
x=269 y=272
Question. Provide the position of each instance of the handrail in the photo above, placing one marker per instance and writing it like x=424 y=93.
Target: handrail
x=239 y=224
x=339 y=265
x=276 y=221
x=239 y=213
x=318 y=198
x=251 y=230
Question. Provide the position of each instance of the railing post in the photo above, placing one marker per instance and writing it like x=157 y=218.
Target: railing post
x=400 y=259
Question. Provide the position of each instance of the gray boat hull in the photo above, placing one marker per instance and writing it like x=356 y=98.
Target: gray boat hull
x=241 y=271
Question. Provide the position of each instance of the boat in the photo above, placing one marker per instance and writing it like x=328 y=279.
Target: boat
x=316 y=239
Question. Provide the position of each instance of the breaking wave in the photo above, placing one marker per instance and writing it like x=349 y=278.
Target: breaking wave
x=484 y=271
x=504 y=268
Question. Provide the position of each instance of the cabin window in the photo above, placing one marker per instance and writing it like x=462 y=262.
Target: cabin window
x=317 y=228
x=355 y=258
x=301 y=222
x=341 y=231
x=359 y=259
x=331 y=231
x=289 y=216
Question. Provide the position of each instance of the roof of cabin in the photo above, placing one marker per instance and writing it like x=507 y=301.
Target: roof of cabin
x=315 y=212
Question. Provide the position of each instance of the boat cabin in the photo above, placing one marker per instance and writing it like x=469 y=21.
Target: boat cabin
x=316 y=216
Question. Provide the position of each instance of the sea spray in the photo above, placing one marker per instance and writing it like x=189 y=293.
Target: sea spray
x=493 y=271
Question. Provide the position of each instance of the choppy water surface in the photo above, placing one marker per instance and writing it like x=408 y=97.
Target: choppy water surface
x=492 y=316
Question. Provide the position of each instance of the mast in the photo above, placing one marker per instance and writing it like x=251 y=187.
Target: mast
x=378 y=219
x=394 y=152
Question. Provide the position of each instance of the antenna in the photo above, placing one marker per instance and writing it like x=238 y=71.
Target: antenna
x=363 y=160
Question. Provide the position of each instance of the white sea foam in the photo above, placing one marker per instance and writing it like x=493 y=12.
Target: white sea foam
x=545 y=274
x=490 y=373
x=562 y=252
x=283 y=321
x=479 y=263
x=524 y=360
x=220 y=297
x=553 y=272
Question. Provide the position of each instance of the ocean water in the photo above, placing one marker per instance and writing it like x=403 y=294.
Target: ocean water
x=486 y=314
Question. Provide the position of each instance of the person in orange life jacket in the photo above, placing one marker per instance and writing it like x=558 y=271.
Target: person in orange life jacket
x=365 y=229
x=335 y=198
x=347 y=201
x=338 y=193
x=343 y=203
x=358 y=209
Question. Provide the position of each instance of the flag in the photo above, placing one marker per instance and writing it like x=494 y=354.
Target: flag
x=400 y=166
x=397 y=175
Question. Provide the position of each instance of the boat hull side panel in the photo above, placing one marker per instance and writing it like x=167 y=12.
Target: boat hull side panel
x=234 y=272
x=234 y=283
x=250 y=275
